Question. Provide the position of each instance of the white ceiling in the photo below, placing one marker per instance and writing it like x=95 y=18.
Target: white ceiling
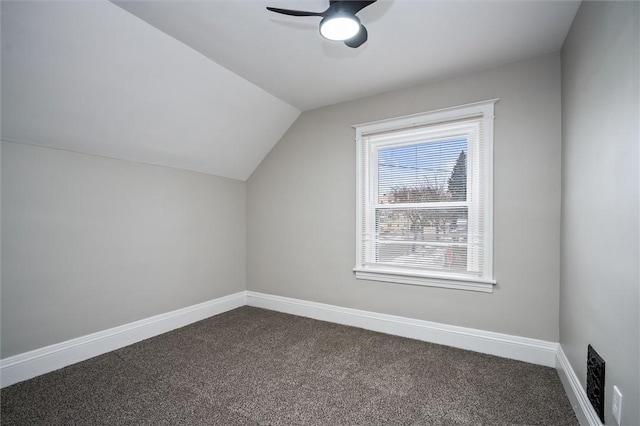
x=409 y=41
x=211 y=86
x=90 y=77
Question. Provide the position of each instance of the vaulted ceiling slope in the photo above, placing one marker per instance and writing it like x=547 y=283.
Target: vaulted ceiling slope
x=410 y=41
x=91 y=77
x=212 y=85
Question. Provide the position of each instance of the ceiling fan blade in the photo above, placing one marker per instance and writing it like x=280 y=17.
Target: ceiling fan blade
x=358 y=39
x=354 y=7
x=294 y=12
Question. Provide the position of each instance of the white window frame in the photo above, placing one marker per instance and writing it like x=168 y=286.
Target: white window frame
x=448 y=123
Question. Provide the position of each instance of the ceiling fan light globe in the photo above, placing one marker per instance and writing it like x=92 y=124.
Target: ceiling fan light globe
x=339 y=28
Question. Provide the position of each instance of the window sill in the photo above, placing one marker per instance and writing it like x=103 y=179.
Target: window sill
x=403 y=277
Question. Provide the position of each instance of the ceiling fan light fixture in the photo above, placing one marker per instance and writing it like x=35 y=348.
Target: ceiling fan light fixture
x=339 y=27
x=339 y=22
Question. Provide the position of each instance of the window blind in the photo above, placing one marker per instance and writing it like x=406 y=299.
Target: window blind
x=423 y=205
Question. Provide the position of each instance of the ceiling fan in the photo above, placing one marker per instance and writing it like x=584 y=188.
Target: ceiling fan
x=339 y=22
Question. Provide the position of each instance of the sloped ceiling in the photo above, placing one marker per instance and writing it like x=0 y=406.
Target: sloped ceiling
x=91 y=77
x=212 y=85
x=410 y=41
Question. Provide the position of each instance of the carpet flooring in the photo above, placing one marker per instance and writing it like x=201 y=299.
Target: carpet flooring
x=251 y=366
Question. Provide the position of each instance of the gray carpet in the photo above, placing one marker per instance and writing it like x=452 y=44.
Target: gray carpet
x=252 y=366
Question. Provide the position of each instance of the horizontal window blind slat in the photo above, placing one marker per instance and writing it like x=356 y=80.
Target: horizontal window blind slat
x=425 y=243
x=422 y=206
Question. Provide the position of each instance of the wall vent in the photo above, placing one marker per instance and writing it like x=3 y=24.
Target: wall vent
x=595 y=381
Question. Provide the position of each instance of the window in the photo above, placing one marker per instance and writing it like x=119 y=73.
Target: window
x=424 y=208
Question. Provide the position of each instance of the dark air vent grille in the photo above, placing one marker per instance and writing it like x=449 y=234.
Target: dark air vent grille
x=595 y=381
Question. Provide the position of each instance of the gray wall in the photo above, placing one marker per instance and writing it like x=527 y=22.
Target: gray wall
x=90 y=243
x=600 y=196
x=301 y=206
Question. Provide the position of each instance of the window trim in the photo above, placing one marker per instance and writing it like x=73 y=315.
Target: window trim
x=483 y=110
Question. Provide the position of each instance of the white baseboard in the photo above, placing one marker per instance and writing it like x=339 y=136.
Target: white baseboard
x=577 y=395
x=44 y=360
x=520 y=348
